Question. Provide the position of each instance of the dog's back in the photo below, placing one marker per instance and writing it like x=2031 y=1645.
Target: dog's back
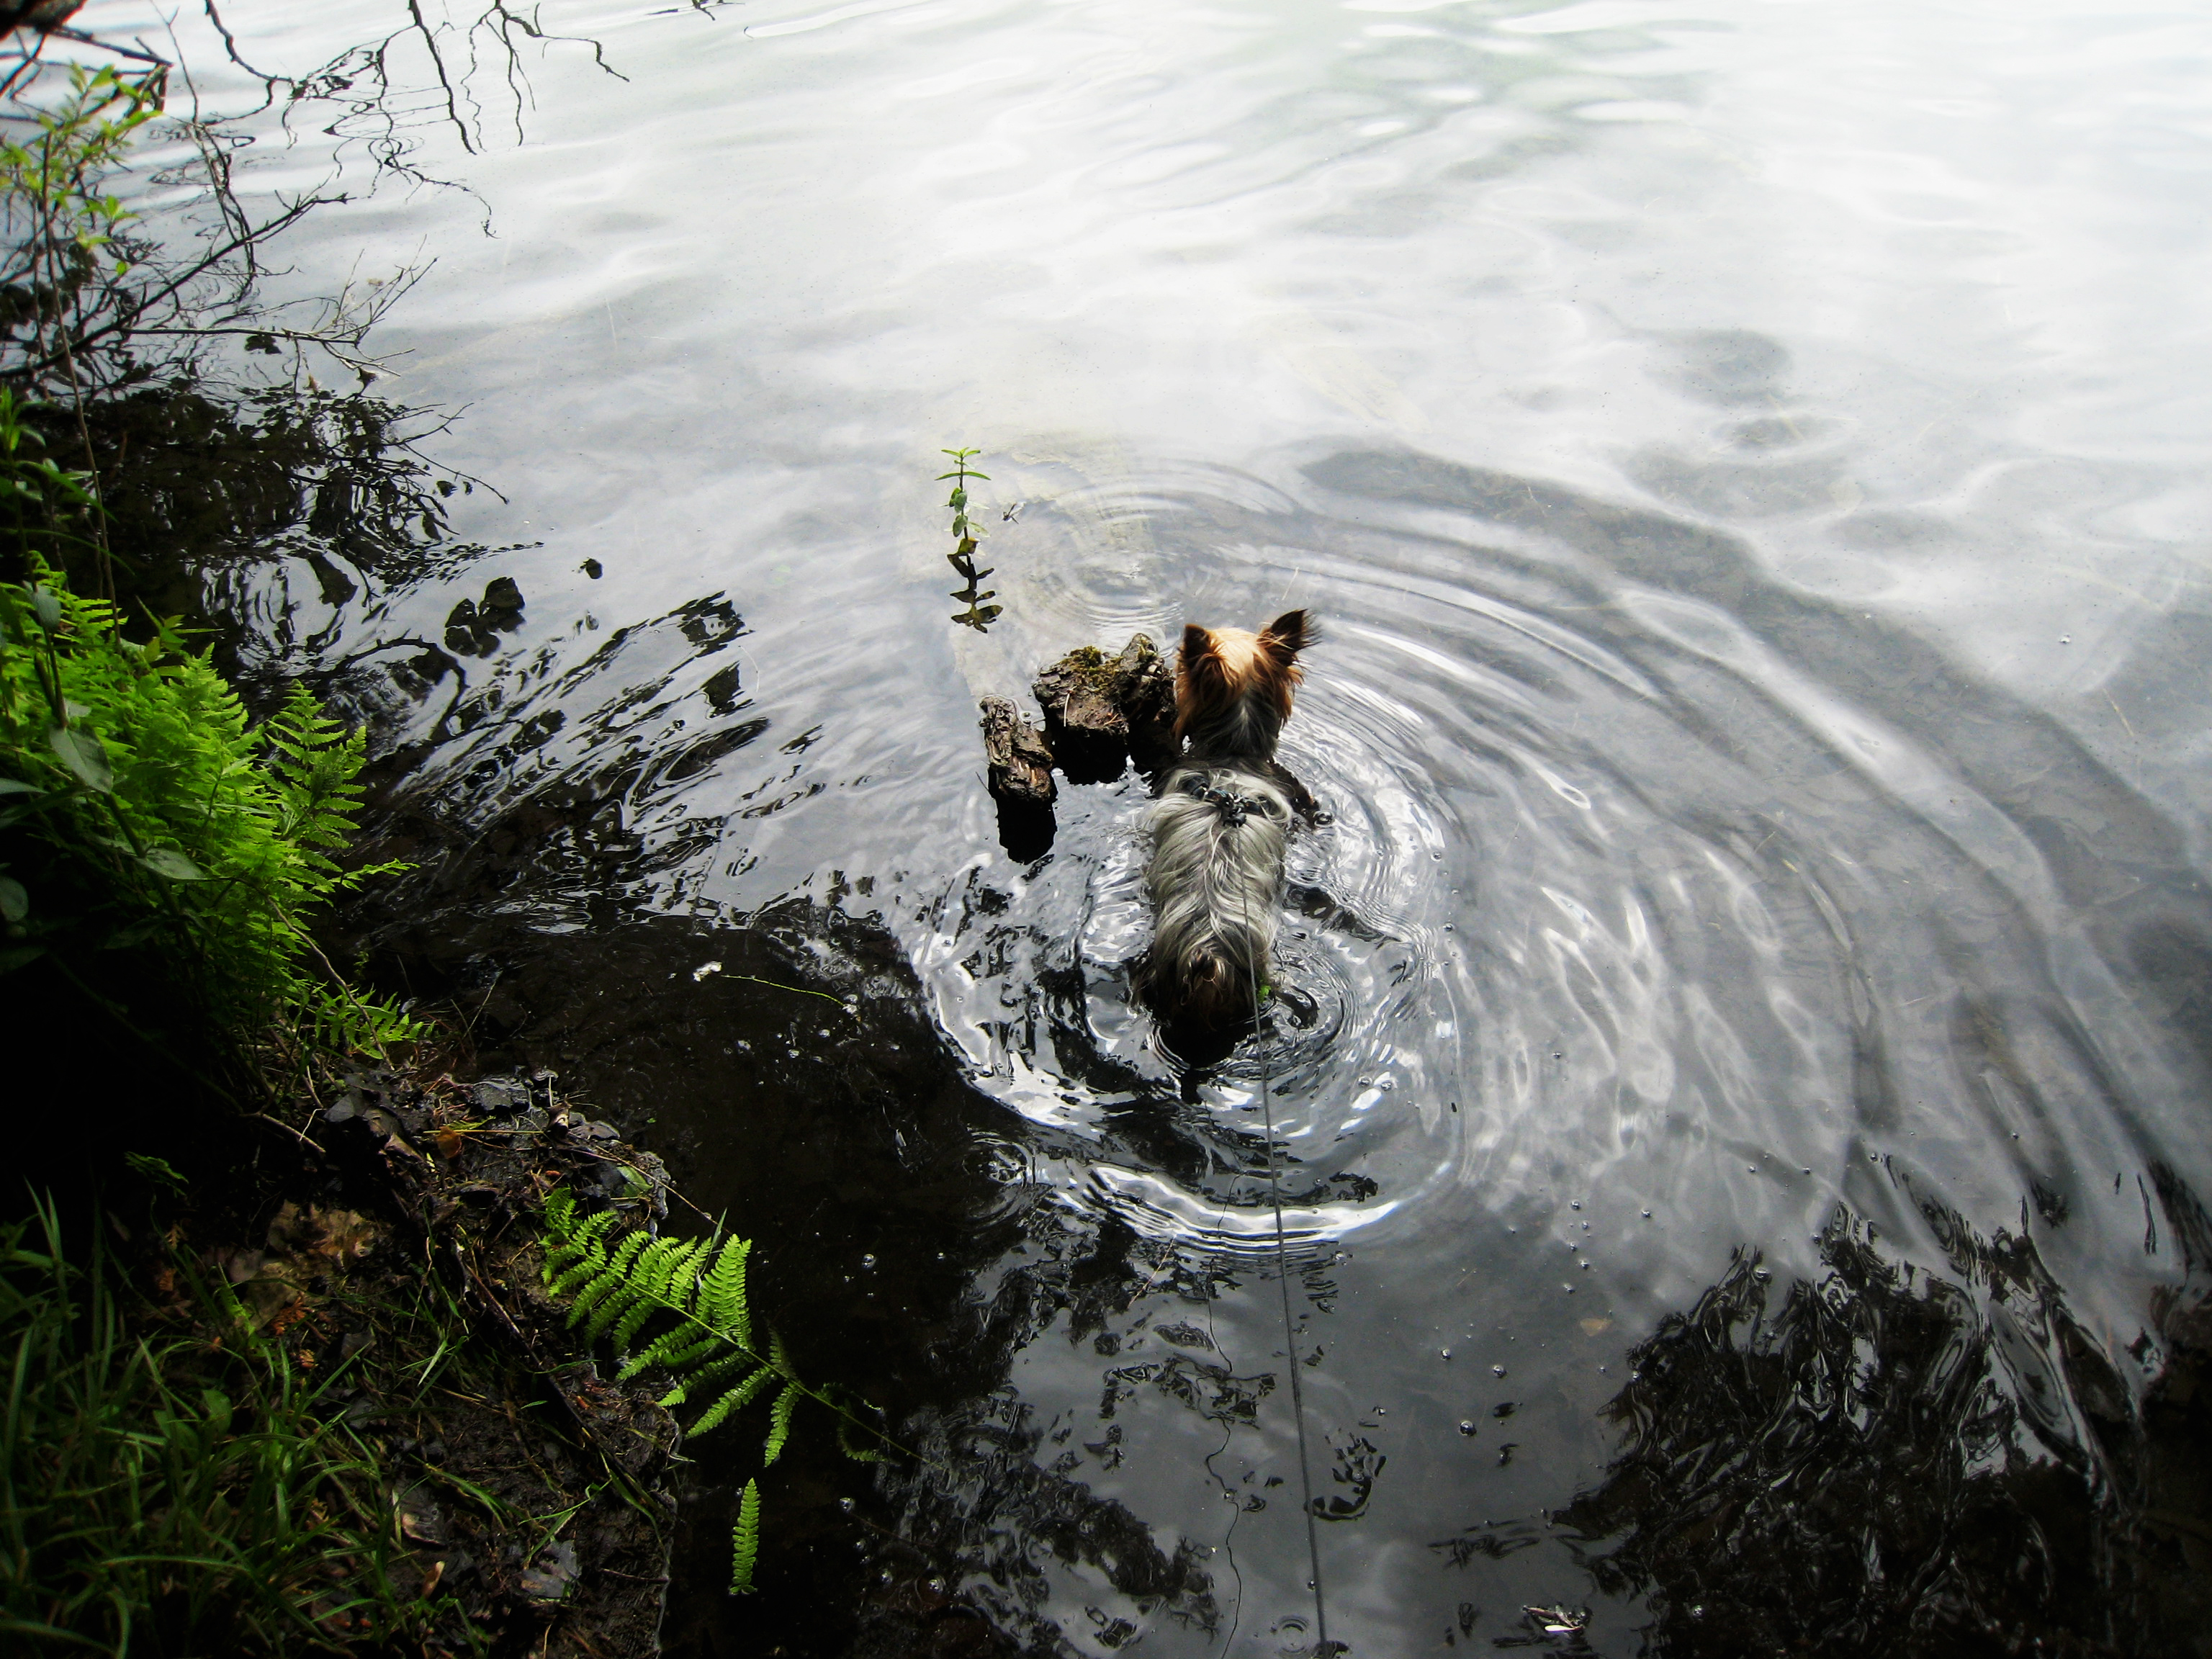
x=1222 y=822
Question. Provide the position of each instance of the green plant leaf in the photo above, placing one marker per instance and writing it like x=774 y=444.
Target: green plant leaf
x=11 y=787
x=779 y=1422
x=14 y=902
x=745 y=1540
x=736 y=1400
x=82 y=754
x=166 y=861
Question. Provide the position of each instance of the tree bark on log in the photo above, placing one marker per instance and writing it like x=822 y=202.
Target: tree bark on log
x=1018 y=769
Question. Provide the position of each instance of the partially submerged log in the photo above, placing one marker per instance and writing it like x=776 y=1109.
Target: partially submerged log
x=1102 y=712
x=1144 y=686
x=1019 y=773
x=1083 y=722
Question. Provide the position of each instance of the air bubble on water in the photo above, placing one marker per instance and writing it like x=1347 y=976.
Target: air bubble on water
x=1647 y=1215
x=1466 y=1426
x=1498 y=1371
x=1446 y=1352
x=867 y=1262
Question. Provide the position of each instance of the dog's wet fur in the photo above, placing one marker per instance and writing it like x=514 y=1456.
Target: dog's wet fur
x=1220 y=826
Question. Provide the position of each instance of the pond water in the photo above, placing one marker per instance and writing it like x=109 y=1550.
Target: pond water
x=1746 y=460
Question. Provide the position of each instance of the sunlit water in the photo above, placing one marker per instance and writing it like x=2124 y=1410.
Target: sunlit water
x=1746 y=463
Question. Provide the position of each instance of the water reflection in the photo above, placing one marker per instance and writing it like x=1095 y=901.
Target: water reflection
x=1762 y=732
x=1895 y=1461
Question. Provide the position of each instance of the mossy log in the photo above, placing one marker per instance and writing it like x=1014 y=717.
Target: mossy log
x=1102 y=712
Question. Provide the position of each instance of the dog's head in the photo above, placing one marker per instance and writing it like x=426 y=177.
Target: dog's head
x=1233 y=689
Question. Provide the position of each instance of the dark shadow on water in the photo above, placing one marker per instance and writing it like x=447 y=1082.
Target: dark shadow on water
x=820 y=1114
x=1891 y=1461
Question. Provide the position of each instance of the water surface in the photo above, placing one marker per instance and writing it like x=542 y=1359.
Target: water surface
x=1746 y=461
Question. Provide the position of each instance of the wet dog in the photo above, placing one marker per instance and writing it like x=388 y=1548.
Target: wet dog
x=1221 y=823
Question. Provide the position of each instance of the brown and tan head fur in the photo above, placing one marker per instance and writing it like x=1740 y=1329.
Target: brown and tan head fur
x=1233 y=687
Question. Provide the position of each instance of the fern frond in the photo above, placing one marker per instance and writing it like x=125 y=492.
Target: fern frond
x=745 y=1540
x=624 y=1299
x=707 y=1375
x=846 y=1444
x=627 y=1326
x=560 y=1213
x=737 y=1398
x=779 y=1423
x=590 y=1265
x=698 y=1286
x=608 y=1281
x=722 y=1293
x=664 y=1274
x=676 y=1350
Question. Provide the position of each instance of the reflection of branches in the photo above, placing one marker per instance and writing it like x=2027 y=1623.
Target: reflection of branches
x=107 y=332
x=373 y=99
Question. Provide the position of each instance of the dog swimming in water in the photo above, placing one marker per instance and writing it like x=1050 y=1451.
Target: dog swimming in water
x=1221 y=823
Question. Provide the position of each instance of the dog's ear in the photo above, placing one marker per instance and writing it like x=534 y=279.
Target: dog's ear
x=1201 y=679
x=1201 y=655
x=1285 y=637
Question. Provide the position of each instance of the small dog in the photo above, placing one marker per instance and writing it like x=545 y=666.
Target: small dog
x=1221 y=823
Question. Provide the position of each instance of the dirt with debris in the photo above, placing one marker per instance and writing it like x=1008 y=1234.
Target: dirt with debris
x=533 y=1494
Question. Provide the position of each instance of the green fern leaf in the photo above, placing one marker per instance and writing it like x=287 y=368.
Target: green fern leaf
x=676 y=1350
x=851 y=1449
x=627 y=1326
x=615 y=1307
x=608 y=1281
x=592 y=1263
x=722 y=1293
x=779 y=1422
x=707 y=1375
x=736 y=1400
x=560 y=1213
x=745 y=1540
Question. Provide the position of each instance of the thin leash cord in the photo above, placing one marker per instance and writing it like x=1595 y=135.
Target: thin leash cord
x=1321 y=1648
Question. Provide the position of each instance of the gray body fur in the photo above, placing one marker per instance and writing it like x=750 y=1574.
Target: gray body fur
x=1216 y=886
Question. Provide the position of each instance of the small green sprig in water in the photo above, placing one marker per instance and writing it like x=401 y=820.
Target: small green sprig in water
x=698 y=1287
x=963 y=528
x=965 y=534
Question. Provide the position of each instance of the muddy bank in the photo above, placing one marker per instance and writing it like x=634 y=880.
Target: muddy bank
x=532 y=1494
